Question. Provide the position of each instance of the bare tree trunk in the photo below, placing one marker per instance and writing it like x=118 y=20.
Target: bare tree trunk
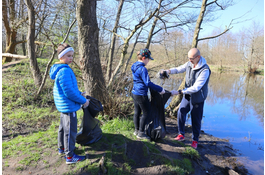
x=198 y=25
x=113 y=40
x=10 y=32
x=31 y=45
x=24 y=45
x=153 y=26
x=88 y=33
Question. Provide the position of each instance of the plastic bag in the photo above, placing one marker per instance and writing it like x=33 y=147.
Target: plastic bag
x=94 y=106
x=156 y=127
x=90 y=131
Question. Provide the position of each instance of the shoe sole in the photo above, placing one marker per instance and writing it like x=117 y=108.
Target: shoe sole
x=69 y=163
x=181 y=140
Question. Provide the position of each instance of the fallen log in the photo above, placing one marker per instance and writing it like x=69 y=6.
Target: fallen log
x=14 y=56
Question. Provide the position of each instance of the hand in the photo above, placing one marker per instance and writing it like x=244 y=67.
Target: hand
x=83 y=94
x=164 y=74
x=162 y=92
x=86 y=103
x=174 y=92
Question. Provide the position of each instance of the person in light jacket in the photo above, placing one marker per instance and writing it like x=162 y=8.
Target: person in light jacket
x=194 y=93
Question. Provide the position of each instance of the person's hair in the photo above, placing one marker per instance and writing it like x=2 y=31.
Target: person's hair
x=139 y=57
x=61 y=47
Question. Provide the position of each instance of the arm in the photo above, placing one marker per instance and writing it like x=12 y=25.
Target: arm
x=204 y=75
x=148 y=83
x=178 y=70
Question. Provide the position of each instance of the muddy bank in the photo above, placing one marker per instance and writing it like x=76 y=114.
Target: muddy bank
x=217 y=156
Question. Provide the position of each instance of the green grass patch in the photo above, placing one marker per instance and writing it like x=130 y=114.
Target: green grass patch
x=182 y=167
x=192 y=153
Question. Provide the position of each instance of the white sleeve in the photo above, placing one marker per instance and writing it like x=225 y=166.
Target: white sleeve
x=179 y=69
x=200 y=81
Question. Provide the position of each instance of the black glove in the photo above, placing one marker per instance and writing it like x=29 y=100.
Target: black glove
x=164 y=75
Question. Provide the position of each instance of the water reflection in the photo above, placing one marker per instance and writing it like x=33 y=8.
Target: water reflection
x=244 y=92
x=234 y=110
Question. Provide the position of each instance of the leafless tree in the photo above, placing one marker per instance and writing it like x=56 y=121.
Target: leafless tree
x=88 y=33
x=113 y=40
x=31 y=45
x=11 y=25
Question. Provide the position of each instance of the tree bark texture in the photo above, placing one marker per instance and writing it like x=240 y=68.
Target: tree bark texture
x=88 y=33
x=113 y=40
x=31 y=45
x=198 y=25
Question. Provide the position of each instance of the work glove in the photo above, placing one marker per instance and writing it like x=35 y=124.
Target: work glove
x=164 y=74
x=86 y=103
x=174 y=92
x=162 y=92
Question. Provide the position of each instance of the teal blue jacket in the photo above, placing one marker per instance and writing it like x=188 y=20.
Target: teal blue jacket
x=66 y=95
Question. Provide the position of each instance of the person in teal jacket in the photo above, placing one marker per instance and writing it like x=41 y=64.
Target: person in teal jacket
x=68 y=99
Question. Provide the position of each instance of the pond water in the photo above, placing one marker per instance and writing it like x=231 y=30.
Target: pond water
x=234 y=110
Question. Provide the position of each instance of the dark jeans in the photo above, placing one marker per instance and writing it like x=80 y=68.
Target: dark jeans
x=196 y=117
x=141 y=104
x=67 y=133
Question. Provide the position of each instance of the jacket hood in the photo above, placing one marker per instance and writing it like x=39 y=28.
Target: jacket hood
x=201 y=63
x=137 y=65
x=55 y=69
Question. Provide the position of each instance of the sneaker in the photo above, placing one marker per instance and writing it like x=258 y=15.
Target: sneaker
x=194 y=144
x=135 y=132
x=74 y=159
x=60 y=151
x=180 y=137
x=142 y=135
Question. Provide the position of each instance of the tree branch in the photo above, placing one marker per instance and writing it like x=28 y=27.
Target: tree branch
x=51 y=59
x=212 y=37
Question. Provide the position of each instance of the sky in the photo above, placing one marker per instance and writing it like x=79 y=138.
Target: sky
x=251 y=10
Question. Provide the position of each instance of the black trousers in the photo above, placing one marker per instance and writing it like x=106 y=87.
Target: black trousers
x=141 y=104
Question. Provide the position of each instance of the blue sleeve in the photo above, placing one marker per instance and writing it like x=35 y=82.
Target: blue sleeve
x=148 y=83
x=70 y=91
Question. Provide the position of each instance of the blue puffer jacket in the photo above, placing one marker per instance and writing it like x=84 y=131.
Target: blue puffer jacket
x=141 y=80
x=66 y=95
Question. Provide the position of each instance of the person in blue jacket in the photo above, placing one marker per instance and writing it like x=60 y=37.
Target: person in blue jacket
x=141 y=83
x=68 y=99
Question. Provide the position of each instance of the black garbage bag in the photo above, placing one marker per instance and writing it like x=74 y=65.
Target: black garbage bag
x=156 y=127
x=94 y=106
x=90 y=131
